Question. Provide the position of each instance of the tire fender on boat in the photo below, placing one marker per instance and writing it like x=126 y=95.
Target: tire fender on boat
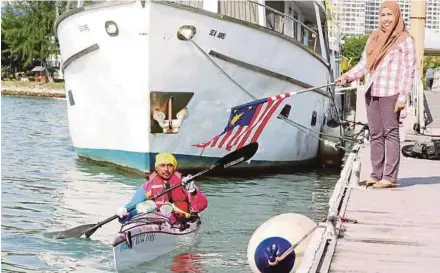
x=274 y=237
x=328 y=156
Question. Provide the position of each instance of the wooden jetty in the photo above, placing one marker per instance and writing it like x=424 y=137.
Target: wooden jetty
x=383 y=230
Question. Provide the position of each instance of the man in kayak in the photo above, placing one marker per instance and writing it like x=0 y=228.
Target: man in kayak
x=186 y=199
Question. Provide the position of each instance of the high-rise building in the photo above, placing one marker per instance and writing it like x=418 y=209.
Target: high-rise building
x=349 y=15
x=433 y=15
x=364 y=18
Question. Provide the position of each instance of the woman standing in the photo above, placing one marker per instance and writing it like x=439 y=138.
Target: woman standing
x=389 y=59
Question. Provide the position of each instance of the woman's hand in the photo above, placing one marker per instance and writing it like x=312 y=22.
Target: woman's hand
x=343 y=79
x=399 y=106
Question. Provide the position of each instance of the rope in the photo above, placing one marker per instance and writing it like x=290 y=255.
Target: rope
x=292 y=248
x=221 y=70
x=303 y=129
x=328 y=142
x=300 y=127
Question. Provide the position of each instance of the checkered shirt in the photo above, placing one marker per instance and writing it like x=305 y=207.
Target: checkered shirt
x=394 y=74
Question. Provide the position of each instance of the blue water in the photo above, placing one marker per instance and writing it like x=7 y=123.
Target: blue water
x=46 y=188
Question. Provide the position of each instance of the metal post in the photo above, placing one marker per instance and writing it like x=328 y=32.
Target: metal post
x=417 y=30
x=261 y=13
x=322 y=43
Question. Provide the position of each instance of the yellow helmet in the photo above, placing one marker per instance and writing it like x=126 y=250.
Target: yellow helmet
x=165 y=158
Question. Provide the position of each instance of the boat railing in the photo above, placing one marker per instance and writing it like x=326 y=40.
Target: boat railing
x=278 y=22
x=65 y=6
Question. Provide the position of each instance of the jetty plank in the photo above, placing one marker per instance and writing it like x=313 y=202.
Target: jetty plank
x=397 y=229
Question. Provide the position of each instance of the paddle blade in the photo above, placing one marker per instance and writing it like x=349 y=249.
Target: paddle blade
x=75 y=232
x=238 y=156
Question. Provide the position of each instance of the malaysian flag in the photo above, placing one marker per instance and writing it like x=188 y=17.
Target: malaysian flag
x=245 y=123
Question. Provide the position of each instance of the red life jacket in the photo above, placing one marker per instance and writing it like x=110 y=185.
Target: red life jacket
x=156 y=185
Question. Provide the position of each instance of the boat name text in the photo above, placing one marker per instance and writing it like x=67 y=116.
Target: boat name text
x=143 y=238
x=146 y=237
x=217 y=34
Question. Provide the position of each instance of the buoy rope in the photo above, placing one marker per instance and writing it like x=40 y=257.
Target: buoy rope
x=286 y=253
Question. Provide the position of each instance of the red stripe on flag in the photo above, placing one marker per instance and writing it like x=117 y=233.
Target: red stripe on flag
x=234 y=137
x=202 y=145
x=266 y=119
x=250 y=128
x=225 y=138
x=214 y=141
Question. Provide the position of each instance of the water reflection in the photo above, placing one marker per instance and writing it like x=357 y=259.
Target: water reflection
x=187 y=263
x=45 y=188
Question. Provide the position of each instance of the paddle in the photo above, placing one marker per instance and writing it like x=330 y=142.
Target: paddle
x=236 y=157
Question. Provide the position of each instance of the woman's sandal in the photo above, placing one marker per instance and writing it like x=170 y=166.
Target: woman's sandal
x=370 y=182
x=384 y=184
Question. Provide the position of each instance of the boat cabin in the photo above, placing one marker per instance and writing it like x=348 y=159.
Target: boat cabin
x=302 y=21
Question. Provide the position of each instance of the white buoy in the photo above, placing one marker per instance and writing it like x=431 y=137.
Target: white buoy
x=274 y=237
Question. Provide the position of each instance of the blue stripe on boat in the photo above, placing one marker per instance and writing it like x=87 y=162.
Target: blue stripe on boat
x=144 y=162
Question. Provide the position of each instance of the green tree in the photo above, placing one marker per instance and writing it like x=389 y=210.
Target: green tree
x=353 y=47
x=27 y=30
x=429 y=61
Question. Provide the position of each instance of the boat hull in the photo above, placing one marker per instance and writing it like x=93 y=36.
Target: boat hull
x=149 y=241
x=111 y=113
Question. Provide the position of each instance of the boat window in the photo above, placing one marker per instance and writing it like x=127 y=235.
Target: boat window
x=71 y=99
x=285 y=112
x=274 y=20
x=313 y=122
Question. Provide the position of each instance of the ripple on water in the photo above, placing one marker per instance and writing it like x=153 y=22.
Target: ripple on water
x=46 y=189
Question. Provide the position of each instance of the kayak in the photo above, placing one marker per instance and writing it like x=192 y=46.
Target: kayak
x=150 y=235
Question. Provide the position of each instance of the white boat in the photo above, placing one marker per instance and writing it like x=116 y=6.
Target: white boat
x=148 y=236
x=136 y=88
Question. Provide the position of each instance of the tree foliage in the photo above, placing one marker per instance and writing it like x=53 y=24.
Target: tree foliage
x=431 y=61
x=27 y=30
x=353 y=47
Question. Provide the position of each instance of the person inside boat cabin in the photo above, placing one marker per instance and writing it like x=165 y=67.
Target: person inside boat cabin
x=186 y=199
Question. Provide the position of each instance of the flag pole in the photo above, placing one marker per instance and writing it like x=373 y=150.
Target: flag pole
x=309 y=89
x=280 y=96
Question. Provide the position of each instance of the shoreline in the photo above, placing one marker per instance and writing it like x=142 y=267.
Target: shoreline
x=36 y=91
